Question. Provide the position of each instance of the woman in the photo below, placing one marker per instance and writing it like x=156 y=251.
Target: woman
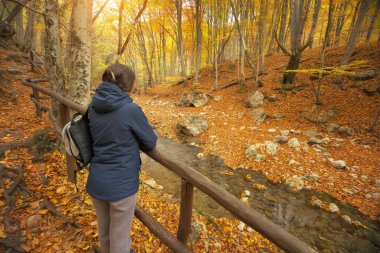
x=119 y=129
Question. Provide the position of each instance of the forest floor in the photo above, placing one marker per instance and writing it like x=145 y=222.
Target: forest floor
x=231 y=131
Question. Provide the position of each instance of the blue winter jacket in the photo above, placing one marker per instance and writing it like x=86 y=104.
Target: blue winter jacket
x=119 y=129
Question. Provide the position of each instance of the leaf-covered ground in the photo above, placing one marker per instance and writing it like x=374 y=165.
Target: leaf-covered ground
x=45 y=213
x=231 y=128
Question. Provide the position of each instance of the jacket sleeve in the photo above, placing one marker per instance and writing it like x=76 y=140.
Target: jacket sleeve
x=142 y=130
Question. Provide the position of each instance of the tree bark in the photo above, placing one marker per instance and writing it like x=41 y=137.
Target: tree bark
x=353 y=36
x=78 y=61
x=373 y=20
x=198 y=9
x=180 y=46
x=283 y=23
x=29 y=37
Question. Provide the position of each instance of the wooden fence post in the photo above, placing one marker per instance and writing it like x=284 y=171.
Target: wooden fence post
x=32 y=61
x=64 y=114
x=184 y=227
x=36 y=96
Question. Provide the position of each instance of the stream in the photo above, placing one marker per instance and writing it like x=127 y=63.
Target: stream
x=321 y=229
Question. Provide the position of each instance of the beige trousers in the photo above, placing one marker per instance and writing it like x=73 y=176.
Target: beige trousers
x=114 y=224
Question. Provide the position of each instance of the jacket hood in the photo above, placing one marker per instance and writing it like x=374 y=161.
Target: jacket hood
x=108 y=97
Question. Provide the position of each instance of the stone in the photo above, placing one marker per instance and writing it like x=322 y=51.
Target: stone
x=313 y=141
x=284 y=132
x=272 y=130
x=218 y=98
x=196 y=230
x=194 y=99
x=377 y=182
x=280 y=139
x=317 y=202
x=271 y=147
x=338 y=164
x=347 y=219
x=313 y=134
x=333 y=208
x=368 y=196
x=314 y=177
x=362 y=76
x=194 y=126
x=258 y=115
x=241 y=226
x=33 y=221
x=363 y=178
x=318 y=147
x=295 y=182
x=151 y=183
x=294 y=143
x=255 y=100
x=247 y=193
x=342 y=130
x=250 y=230
x=376 y=195
x=251 y=152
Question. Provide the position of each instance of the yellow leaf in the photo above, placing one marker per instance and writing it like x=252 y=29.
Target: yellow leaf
x=2 y=234
x=61 y=189
x=88 y=201
x=44 y=211
x=2 y=203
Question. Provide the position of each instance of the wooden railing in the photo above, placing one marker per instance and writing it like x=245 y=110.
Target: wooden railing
x=190 y=178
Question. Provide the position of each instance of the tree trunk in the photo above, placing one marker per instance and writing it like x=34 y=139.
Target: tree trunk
x=294 y=61
x=19 y=28
x=215 y=42
x=354 y=34
x=15 y=11
x=180 y=46
x=297 y=24
x=373 y=20
x=163 y=44
x=53 y=56
x=283 y=23
x=78 y=61
x=262 y=31
x=340 y=23
x=29 y=37
x=199 y=38
x=317 y=91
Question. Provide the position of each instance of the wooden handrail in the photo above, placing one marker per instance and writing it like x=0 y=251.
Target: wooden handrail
x=248 y=215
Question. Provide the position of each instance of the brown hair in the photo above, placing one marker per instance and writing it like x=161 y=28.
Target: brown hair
x=119 y=74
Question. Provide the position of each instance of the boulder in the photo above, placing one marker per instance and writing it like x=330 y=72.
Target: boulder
x=342 y=130
x=271 y=147
x=362 y=76
x=193 y=126
x=271 y=98
x=252 y=153
x=280 y=139
x=295 y=182
x=255 y=100
x=333 y=208
x=338 y=164
x=194 y=99
x=259 y=115
x=294 y=143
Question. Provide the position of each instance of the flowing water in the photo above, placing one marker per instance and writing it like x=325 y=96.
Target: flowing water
x=325 y=231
